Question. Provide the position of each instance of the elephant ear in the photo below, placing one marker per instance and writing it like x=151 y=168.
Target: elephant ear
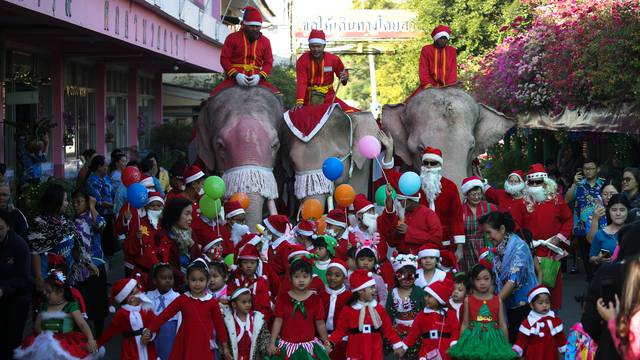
x=490 y=127
x=393 y=123
x=205 y=138
x=364 y=124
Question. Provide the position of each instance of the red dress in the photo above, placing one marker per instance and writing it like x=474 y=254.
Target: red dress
x=316 y=285
x=298 y=328
x=437 y=332
x=540 y=337
x=200 y=316
x=125 y=321
x=334 y=301
x=423 y=226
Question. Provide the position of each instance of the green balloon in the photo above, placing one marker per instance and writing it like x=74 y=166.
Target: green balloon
x=214 y=187
x=381 y=195
x=209 y=207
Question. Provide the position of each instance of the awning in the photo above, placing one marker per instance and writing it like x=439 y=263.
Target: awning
x=623 y=119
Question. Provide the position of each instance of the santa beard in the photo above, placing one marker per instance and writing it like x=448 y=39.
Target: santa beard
x=237 y=231
x=431 y=184
x=537 y=193
x=154 y=217
x=514 y=190
x=370 y=221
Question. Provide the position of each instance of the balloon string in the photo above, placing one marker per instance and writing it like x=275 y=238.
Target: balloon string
x=382 y=169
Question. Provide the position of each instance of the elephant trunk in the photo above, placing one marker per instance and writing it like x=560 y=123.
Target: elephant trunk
x=255 y=210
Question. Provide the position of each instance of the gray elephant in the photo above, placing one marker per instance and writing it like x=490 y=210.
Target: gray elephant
x=238 y=136
x=448 y=119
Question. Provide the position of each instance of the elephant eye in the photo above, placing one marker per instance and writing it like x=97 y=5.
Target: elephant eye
x=420 y=149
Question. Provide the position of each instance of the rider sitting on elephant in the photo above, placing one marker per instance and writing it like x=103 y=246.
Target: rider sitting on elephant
x=314 y=72
x=246 y=55
x=438 y=66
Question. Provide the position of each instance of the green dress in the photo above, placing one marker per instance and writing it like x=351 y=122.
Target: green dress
x=402 y=313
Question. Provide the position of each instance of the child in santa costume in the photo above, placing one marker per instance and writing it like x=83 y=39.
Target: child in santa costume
x=248 y=332
x=212 y=250
x=161 y=297
x=366 y=258
x=335 y=299
x=541 y=334
x=200 y=316
x=54 y=336
x=437 y=325
x=278 y=229
x=218 y=277
x=364 y=321
x=305 y=231
x=129 y=321
x=406 y=300
x=298 y=316
x=324 y=248
x=298 y=251
x=429 y=257
x=484 y=327
x=461 y=289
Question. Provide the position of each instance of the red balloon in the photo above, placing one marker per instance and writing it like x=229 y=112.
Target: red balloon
x=130 y=175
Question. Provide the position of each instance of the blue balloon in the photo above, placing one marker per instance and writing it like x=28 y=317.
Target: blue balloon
x=332 y=168
x=409 y=183
x=137 y=195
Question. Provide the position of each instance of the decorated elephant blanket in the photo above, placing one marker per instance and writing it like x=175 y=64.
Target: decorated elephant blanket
x=307 y=121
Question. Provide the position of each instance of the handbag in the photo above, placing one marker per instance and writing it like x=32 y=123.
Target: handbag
x=549 y=268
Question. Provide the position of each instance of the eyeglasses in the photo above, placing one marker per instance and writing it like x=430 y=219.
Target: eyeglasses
x=400 y=276
x=627 y=179
x=430 y=163
x=535 y=182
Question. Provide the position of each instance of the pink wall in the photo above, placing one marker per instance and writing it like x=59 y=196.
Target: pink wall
x=57 y=89
x=101 y=108
x=132 y=103
x=157 y=92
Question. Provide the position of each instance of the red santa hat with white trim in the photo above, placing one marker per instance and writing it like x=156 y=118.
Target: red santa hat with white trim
x=208 y=246
x=155 y=196
x=306 y=228
x=540 y=289
x=433 y=154
x=252 y=16
x=429 y=250
x=440 y=31
x=121 y=290
x=337 y=217
x=148 y=182
x=192 y=173
x=340 y=265
x=277 y=224
x=316 y=36
x=248 y=252
x=361 y=204
x=518 y=173
x=484 y=253
x=448 y=261
x=536 y=172
x=233 y=209
x=441 y=290
x=470 y=183
x=296 y=250
x=361 y=279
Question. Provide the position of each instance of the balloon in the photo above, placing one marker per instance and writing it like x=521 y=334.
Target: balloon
x=242 y=198
x=344 y=195
x=381 y=195
x=209 y=207
x=137 y=195
x=312 y=209
x=369 y=147
x=214 y=187
x=332 y=168
x=321 y=225
x=130 y=175
x=409 y=183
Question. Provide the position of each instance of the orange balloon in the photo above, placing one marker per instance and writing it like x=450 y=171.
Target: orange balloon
x=321 y=225
x=242 y=198
x=344 y=195
x=312 y=209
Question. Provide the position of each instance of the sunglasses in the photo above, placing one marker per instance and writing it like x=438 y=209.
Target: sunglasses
x=627 y=179
x=430 y=163
x=535 y=182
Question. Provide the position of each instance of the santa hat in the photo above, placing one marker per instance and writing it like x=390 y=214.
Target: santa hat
x=211 y=244
x=441 y=290
x=361 y=279
x=486 y=263
x=122 y=289
x=448 y=260
x=252 y=16
x=232 y=209
x=536 y=172
x=337 y=217
x=440 y=31
x=237 y=292
x=296 y=250
x=367 y=246
x=518 y=173
x=484 y=253
x=147 y=182
x=192 y=173
x=429 y=249
x=277 y=224
x=155 y=196
x=403 y=260
x=540 y=289
x=432 y=154
x=361 y=204
x=317 y=37
x=248 y=252
x=340 y=265
x=306 y=228
x=470 y=183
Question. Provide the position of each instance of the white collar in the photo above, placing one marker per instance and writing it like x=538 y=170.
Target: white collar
x=332 y=292
x=430 y=311
x=534 y=317
x=359 y=305
x=322 y=264
x=131 y=308
x=280 y=240
x=153 y=294
x=206 y=297
x=455 y=305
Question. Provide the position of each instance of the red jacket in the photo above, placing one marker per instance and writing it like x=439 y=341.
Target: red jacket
x=547 y=219
x=239 y=55
x=506 y=203
x=205 y=230
x=437 y=331
x=122 y=323
x=423 y=226
x=315 y=75
x=438 y=67
x=144 y=252
x=259 y=286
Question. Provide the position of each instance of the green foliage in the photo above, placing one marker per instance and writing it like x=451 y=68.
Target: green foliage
x=29 y=199
x=170 y=142
x=359 y=87
x=503 y=158
x=377 y=4
x=283 y=77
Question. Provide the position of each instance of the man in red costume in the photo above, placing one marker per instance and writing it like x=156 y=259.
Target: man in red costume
x=511 y=199
x=438 y=66
x=438 y=193
x=550 y=221
x=314 y=72
x=246 y=55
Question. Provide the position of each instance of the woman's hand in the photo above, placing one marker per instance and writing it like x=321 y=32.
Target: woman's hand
x=273 y=350
x=608 y=311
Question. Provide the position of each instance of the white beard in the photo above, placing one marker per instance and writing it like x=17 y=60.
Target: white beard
x=514 y=190
x=431 y=184
x=537 y=193
x=370 y=221
x=237 y=231
x=154 y=217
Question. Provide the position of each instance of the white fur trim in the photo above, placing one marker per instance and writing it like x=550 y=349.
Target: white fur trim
x=304 y=232
x=235 y=212
x=336 y=223
x=398 y=345
x=428 y=252
x=563 y=238
x=296 y=253
x=212 y=244
x=371 y=282
x=312 y=182
x=126 y=290
x=458 y=239
x=517 y=349
x=466 y=187
x=441 y=34
x=537 y=175
x=436 y=296
x=446 y=242
x=238 y=292
x=252 y=23
x=271 y=228
x=45 y=346
x=250 y=179
x=193 y=177
x=536 y=292
x=515 y=174
x=317 y=41
x=155 y=198
x=433 y=157
x=338 y=266
x=147 y=182
x=46 y=315
x=315 y=130
x=387 y=165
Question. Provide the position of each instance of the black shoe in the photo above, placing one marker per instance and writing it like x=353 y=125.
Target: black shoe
x=574 y=270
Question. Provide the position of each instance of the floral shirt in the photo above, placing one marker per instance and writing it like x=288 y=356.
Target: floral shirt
x=100 y=188
x=587 y=198
x=513 y=262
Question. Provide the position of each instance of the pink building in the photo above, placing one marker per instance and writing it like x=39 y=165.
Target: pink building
x=94 y=67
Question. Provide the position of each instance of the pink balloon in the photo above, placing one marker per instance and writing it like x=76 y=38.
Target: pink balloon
x=369 y=147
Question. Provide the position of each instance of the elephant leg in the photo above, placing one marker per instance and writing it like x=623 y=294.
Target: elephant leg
x=254 y=212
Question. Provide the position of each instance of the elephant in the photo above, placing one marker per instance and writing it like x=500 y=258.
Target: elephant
x=448 y=119
x=338 y=138
x=238 y=136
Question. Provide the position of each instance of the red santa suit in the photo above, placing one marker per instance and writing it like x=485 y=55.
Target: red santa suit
x=438 y=67
x=129 y=321
x=121 y=229
x=541 y=336
x=504 y=200
x=244 y=334
x=423 y=226
x=258 y=284
x=200 y=316
x=142 y=249
x=205 y=230
x=279 y=249
x=334 y=301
